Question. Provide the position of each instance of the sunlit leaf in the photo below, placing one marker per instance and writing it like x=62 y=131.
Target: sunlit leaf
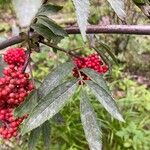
x=105 y=99
x=82 y=11
x=50 y=105
x=26 y=10
x=91 y=128
x=118 y=6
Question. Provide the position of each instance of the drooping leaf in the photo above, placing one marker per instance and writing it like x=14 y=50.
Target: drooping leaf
x=26 y=10
x=50 y=105
x=29 y=103
x=91 y=128
x=46 y=129
x=105 y=99
x=96 y=77
x=118 y=6
x=52 y=80
x=82 y=11
x=109 y=51
x=43 y=31
x=48 y=9
x=53 y=26
x=34 y=137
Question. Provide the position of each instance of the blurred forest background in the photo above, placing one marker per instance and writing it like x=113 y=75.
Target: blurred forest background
x=129 y=81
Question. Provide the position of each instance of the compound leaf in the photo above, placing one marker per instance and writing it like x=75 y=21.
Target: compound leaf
x=50 y=105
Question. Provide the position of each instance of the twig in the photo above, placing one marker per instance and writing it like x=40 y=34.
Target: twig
x=58 y=48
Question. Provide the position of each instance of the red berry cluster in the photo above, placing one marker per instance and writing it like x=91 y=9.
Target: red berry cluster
x=92 y=61
x=15 y=85
x=15 y=56
x=9 y=123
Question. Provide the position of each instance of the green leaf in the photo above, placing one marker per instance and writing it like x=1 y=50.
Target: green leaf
x=91 y=128
x=141 y=2
x=118 y=6
x=50 y=105
x=48 y=9
x=29 y=103
x=46 y=129
x=43 y=31
x=26 y=10
x=1 y=65
x=58 y=118
x=53 y=26
x=82 y=11
x=109 y=51
x=105 y=99
x=54 y=78
x=96 y=77
x=104 y=58
x=34 y=137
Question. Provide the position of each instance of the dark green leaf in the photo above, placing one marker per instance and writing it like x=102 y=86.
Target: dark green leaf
x=49 y=9
x=58 y=118
x=105 y=99
x=53 y=26
x=46 y=129
x=29 y=103
x=34 y=137
x=91 y=128
x=50 y=105
x=43 y=31
x=96 y=77
x=104 y=58
x=109 y=51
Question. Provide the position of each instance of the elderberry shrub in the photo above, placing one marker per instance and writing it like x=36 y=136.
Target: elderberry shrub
x=15 y=86
x=92 y=61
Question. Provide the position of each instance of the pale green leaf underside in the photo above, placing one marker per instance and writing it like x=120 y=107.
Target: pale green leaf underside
x=105 y=99
x=91 y=128
x=118 y=6
x=82 y=11
x=50 y=105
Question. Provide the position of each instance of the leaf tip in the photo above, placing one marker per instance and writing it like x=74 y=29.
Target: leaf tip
x=120 y=118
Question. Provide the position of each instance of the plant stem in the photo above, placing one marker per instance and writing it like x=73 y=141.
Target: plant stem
x=58 y=48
